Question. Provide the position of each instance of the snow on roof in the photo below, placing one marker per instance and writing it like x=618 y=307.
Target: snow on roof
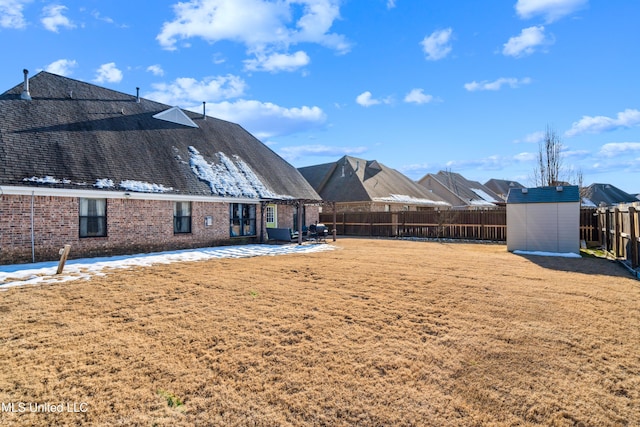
x=403 y=198
x=47 y=180
x=484 y=196
x=230 y=177
x=587 y=203
x=85 y=268
x=144 y=187
x=104 y=183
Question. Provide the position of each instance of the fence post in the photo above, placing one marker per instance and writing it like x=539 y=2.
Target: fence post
x=634 y=237
x=335 y=225
x=64 y=254
x=617 y=230
x=607 y=233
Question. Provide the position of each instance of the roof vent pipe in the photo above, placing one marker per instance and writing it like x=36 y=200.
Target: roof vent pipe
x=204 y=110
x=138 y=95
x=25 y=93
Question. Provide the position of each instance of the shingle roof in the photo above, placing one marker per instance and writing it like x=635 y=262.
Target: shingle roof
x=77 y=135
x=561 y=194
x=351 y=179
x=607 y=194
x=502 y=186
x=470 y=193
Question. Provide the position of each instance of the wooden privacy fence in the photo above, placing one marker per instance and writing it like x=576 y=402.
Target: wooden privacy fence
x=619 y=229
x=445 y=224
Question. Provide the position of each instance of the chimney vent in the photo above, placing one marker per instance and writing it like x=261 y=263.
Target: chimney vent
x=204 y=110
x=138 y=95
x=25 y=92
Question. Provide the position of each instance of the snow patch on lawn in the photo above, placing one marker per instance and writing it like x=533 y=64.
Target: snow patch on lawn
x=85 y=268
x=556 y=254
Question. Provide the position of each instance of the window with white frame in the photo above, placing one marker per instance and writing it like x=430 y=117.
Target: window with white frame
x=93 y=217
x=181 y=217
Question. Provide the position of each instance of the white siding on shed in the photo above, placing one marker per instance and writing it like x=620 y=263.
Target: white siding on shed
x=546 y=227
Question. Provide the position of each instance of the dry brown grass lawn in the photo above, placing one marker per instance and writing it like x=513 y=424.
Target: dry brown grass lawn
x=376 y=332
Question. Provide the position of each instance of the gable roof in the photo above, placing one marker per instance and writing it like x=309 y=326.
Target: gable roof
x=351 y=179
x=501 y=187
x=559 y=194
x=76 y=135
x=607 y=194
x=468 y=193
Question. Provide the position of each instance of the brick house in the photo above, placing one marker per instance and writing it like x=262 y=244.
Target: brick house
x=460 y=192
x=112 y=173
x=358 y=185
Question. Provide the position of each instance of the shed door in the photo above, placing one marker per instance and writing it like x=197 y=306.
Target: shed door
x=271 y=217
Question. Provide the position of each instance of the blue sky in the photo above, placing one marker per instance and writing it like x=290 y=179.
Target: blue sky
x=419 y=85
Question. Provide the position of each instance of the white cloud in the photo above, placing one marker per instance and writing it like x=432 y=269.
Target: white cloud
x=614 y=149
x=488 y=163
x=53 y=18
x=391 y=4
x=108 y=73
x=296 y=152
x=186 y=91
x=437 y=45
x=552 y=10
x=497 y=84
x=156 y=70
x=98 y=16
x=62 y=67
x=262 y=119
x=625 y=119
x=526 y=43
x=278 y=62
x=525 y=157
x=366 y=99
x=417 y=96
x=259 y=24
x=266 y=120
x=533 y=138
x=11 y=13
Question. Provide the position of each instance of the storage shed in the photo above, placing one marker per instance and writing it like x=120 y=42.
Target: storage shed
x=544 y=219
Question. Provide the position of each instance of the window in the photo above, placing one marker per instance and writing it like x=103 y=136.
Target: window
x=93 y=217
x=270 y=213
x=182 y=217
x=243 y=219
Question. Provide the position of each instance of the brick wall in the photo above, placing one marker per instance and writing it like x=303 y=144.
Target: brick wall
x=285 y=215
x=132 y=226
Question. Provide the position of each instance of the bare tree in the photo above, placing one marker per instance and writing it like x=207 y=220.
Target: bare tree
x=549 y=161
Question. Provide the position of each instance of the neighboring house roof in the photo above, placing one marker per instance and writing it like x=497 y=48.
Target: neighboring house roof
x=607 y=194
x=559 y=194
x=351 y=179
x=459 y=190
x=501 y=187
x=75 y=135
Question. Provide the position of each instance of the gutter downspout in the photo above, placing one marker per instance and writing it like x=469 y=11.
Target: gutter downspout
x=33 y=240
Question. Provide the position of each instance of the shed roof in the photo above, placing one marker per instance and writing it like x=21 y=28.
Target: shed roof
x=560 y=194
x=77 y=135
